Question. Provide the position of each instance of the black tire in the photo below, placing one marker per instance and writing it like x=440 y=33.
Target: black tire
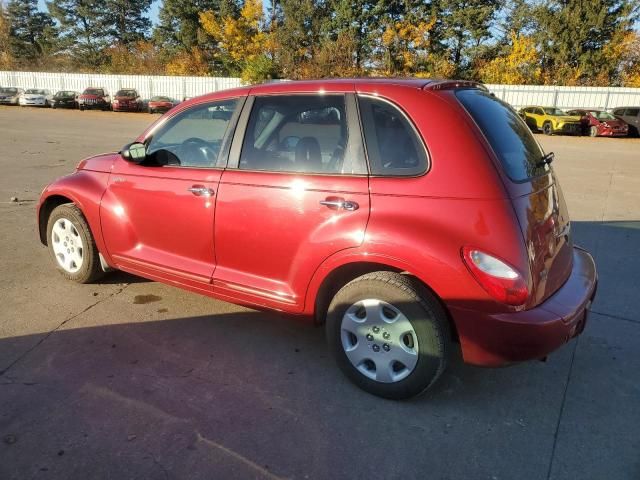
x=425 y=315
x=90 y=270
x=54 y=106
x=547 y=129
x=151 y=110
x=81 y=108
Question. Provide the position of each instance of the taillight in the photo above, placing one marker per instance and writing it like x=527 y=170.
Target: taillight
x=501 y=281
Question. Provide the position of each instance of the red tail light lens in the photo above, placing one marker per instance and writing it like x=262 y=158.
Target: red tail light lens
x=501 y=281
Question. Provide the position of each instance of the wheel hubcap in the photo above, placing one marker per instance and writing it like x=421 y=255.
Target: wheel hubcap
x=67 y=245
x=379 y=340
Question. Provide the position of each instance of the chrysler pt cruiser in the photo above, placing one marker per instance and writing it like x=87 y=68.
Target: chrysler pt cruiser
x=408 y=216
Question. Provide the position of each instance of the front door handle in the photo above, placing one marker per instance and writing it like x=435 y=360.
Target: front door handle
x=200 y=191
x=340 y=204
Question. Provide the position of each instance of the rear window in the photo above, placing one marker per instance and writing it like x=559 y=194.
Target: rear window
x=510 y=138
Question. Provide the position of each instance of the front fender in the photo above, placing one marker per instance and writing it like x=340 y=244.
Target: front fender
x=84 y=189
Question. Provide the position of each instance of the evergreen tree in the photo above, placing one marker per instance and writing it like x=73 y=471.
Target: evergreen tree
x=574 y=35
x=30 y=32
x=179 y=22
x=356 y=20
x=127 y=21
x=84 y=30
x=466 y=26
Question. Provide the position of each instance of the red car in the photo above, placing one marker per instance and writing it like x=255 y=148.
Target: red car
x=598 y=123
x=161 y=104
x=94 y=99
x=405 y=214
x=127 y=100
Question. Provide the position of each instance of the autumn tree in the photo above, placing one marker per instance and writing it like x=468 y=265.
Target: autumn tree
x=518 y=64
x=149 y=59
x=241 y=43
x=6 y=59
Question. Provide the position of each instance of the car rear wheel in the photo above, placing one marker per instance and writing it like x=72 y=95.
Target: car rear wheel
x=72 y=246
x=593 y=131
x=388 y=335
x=547 y=128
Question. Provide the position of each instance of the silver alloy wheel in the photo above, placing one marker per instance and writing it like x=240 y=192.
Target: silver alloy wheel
x=379 y=341
x=67 y=245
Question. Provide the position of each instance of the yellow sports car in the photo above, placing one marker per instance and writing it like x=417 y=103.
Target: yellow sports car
x=551 y=120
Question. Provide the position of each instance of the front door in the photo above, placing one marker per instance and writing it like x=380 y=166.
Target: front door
x=298 y=194
x=158 y=217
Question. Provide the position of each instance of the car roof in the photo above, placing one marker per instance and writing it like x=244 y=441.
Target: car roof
x=333 y=85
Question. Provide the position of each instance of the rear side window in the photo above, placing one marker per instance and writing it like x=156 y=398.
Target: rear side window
x=510 y=138
x=393 y=145
x=632 y=112
x=299 y=133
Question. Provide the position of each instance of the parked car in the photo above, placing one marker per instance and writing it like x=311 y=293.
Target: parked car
x=36 y=97
x=94 y=98
x=551 y=120
x=65 y=99
x=630 y=115
x=127 y=100
x=161 y=104
x=10 y=95
x=271 y=197
x=598 y=123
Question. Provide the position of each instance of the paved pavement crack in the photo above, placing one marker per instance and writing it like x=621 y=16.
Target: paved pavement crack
x=564 y=399
x=64 y=322
x=616 y=317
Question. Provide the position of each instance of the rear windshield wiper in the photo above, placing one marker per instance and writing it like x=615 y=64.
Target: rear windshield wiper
x=546 y=159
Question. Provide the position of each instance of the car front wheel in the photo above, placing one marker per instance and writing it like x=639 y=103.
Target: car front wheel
x=547 y=129
x=72 y=246
x=388 y=334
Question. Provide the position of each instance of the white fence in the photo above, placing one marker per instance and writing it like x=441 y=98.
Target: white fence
x=181 y=87
x=147 y=86
x=567 y=97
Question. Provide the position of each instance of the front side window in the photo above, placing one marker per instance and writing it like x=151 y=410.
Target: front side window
x=632 y=112
x=194 y=137
x=393 y=145
x=298 y=133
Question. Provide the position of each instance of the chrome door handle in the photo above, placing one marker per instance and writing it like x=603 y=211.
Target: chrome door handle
x=340 y=204
x=202 y=191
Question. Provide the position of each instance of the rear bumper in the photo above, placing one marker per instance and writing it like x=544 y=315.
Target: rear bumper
x=500 y=339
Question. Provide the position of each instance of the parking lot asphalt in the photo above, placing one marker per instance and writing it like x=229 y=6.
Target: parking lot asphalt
x=132 y=379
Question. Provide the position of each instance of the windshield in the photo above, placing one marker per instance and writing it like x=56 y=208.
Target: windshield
x=160 y=99
x=556 y=112
x=93 y=91
x=9 y=90
x=602 y=115
x=66 y=94
x=508 y=135
x=126 y=93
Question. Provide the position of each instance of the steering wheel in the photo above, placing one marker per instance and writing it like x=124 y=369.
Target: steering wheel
x=196 y=151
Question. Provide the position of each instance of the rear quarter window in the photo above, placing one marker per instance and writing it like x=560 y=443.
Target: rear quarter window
x=509 y=137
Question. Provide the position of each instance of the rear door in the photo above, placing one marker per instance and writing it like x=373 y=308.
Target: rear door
x=536 y=194
x=296 y=192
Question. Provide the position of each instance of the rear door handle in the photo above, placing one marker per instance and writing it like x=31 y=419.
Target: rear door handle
x=200 y=191
x=340 y=204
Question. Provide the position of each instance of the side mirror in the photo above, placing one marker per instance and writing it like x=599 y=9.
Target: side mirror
x=134 y=152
